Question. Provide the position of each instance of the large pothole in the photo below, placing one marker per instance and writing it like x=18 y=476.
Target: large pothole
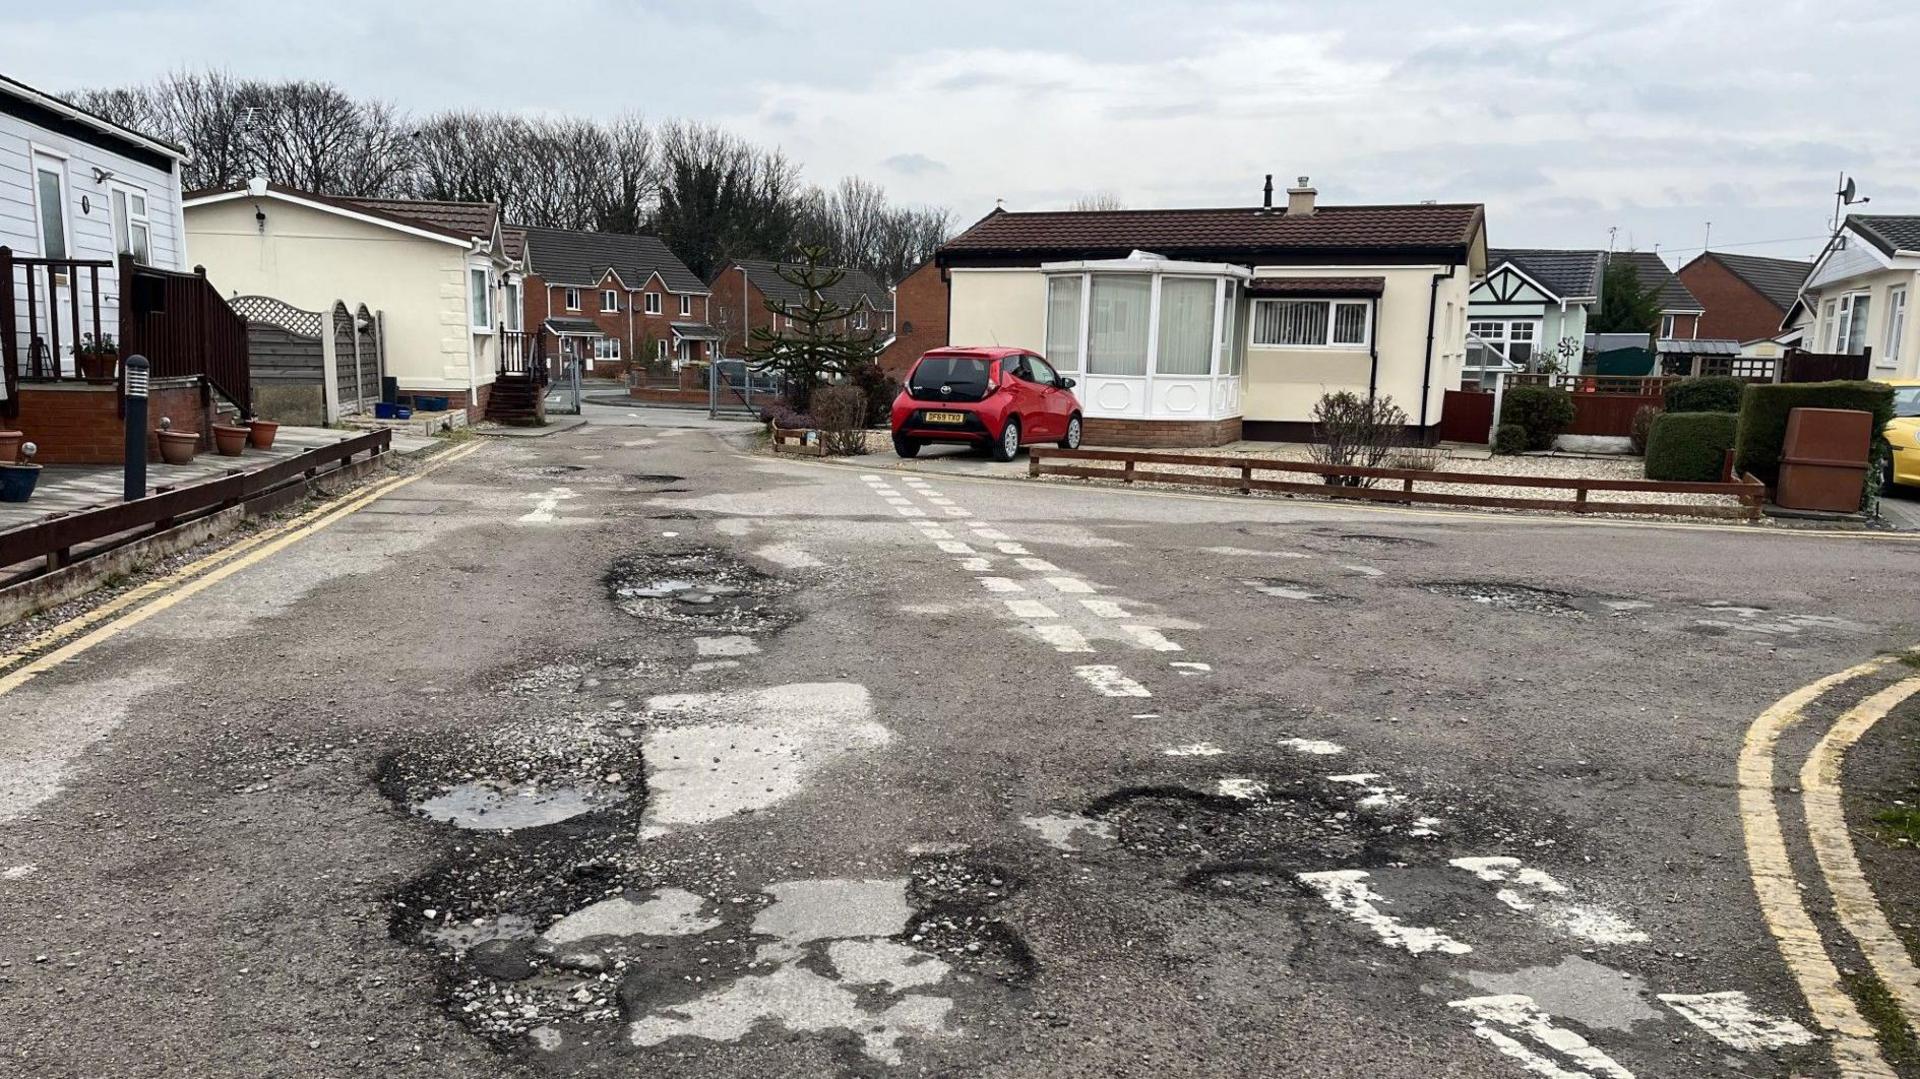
x=1531 y=599
x=704 y=588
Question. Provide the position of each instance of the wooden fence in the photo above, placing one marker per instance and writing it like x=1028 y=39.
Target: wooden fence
x=1054 y=462
x=183 y=326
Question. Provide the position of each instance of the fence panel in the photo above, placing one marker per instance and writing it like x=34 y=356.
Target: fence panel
x=1466 y=416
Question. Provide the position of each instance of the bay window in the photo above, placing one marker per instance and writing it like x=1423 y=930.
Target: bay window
x=1117 y=327
x=1063 y=323
x=1896 y=328
x=1186 y=326
x=1311 y=323
x=479 y=299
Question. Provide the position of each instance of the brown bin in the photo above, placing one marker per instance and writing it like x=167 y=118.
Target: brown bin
x=1823 y=462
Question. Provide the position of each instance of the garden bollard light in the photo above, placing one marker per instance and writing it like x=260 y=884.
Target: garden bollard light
x=135 y=486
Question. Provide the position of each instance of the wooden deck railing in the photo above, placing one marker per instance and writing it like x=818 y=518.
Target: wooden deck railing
x=1241 y=477
x=47 y=307
x=1626 y=385
x=183 y=326
x=523 y=355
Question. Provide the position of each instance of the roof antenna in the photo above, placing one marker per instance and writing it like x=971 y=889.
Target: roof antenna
x=1266 y=198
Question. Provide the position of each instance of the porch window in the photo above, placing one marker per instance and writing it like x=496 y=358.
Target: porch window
x=1233 y=353
x=479 y=299
x=1501 y=344
x=1063 y=323
x=609 y=300
x=515 y=304
x=1186 y=326
x=1311 y=323
x=660 y=349
x=572 y=299
x=1852 y=323
x=1896 y=327
x=132 y=229
x=1117 y=327
x=653 y=303
x=50 y=191
x=686 y=307
x=1829 y=325
x=1666 y=327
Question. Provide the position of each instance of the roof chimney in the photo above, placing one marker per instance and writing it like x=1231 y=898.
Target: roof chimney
x=1266 y=199
x=1300 y=199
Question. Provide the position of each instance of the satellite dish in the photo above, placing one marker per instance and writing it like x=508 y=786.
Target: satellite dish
x=1847 y=191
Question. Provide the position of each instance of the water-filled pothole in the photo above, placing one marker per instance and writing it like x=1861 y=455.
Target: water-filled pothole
x=654 y=477
x=1516 y=597
x=487 y=804
x=703 y=587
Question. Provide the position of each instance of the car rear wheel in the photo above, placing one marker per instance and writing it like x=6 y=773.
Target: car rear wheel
x=1009 y=443
x=906 y=447
x=1072 y=441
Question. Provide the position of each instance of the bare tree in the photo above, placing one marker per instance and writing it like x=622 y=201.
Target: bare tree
x=1099 y=200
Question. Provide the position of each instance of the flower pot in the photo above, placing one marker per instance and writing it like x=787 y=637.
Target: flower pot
x=178 y=447
x=98 y=366
x=16 y=482
x=10 y=446
x=260 y=433
x=229 y=441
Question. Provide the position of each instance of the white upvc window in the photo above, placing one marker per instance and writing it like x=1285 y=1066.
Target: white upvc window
x=572 y=299
x=480 y=299
x=1896 y=328
x=686 y=307
x=660 y=349
x=1501 y=344
x=1185 y=341
x=50 y=202
x=1064 y=323
x=609 y=299
x=606 y=348
x=1341 y=324
x=683 y=350
x=1829 y=326
x=859 y=320
x=515 y=303
x=1852 y=323
x=132 y=228
x=653 y=303
x=1666 y=327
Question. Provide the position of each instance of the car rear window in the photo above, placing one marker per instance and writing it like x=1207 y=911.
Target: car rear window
x=964 y=376
x=1906 y=401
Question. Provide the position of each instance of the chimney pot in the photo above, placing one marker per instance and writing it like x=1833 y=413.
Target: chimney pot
x=1266 y=199
x=1300 y=199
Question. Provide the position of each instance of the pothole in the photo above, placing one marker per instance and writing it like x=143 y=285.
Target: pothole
x=957 y=918
x=1295 y=591
x=1514 y=597
x=488 y=804
x=703 y=587
x=655 y=477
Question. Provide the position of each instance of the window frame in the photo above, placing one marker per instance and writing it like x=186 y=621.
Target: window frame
x=515 y=300
x=1667 y=325
x=859 y=320
x=120 y=199
x=660 y=349
x=653 y=303
x=42 y=159
x=610 y=301
x=1893 y=334
x=686 y=306
x=480 y=321
x=1328 y=345
x=1500 y=344
x=570 y=299
x=1846 y=334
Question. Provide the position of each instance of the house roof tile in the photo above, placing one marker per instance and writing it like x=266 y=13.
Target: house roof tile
x=1568 y=274
x=1891 y=233
x=1779 y=280
x=1652 y=270
x=1248 y=233
x=571 y=257
x=468 y=220
x=853 y=287
x=1317 y=286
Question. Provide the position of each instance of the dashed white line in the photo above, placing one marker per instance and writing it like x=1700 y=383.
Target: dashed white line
x=1313 y=746
x=1007 y=547
x=1030 y=608
x=1347 y=891
x=1105 y=608
x=1240 y=788
x=1062 y=637
x=1522 y=1018
x=1037 y=565
x=1191 y=670
x=976 y=564
x=1150 y=639
x=953 y=547
x=987 y=533
x=910 y=511
x=1070 y=585
x=1194 y=749
x=1731 y=1018
x=1000 y=584
x=1108 y=681
x=1526 y=888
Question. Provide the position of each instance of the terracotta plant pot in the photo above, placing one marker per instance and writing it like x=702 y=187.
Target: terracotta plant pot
x=10 y=446
x=16 y=482
x=260 y=433
x=229 y=441
x=178 y=447
x=98 y=366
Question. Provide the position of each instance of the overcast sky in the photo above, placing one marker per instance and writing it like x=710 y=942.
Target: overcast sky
x=1565 y=119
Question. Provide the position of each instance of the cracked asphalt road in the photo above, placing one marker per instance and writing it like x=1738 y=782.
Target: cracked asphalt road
x=818 y=771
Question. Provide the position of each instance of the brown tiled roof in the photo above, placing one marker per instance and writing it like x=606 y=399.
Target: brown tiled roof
x=464 y=219
x=1249 y=232
x=1317 y=286
x=513 y=242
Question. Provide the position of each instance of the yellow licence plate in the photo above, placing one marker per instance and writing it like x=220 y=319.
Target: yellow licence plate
x=946 y=417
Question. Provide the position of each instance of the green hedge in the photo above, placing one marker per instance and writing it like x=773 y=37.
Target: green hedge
x=1763 y=420
x=1709 y=393
x=1510 y=438
x=1690 y=447
x=1541 y=411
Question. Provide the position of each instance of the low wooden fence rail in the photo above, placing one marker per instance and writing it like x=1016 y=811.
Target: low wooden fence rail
x=1053 y=462
x=54 y=538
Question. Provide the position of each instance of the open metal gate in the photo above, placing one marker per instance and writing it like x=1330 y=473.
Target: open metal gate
x=736 y=391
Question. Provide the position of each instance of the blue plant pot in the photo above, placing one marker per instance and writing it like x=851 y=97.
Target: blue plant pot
x=16 y=482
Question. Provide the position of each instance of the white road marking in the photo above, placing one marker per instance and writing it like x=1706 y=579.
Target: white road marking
x=1522 y=1018
x=1528 y=888
x=1070 y=585
x=1378 y=796
x=1151 y=639
x=976 y=565
x=955 y=511
x=544 y=505
x=1245 y=790
x=1364 y=571
x=1731 y=1018
x=1195 y=749
x=1314 y=746
x=1347 y=891
x=735 y=645
x=989 y=533
x=954 y=547
x=1145 y=715
x=1107 y=681
x=1000 y=584
x=910 y=511
x=1030 y=608
x=1011 y=548
x=1037 y=565
x=1062 y=637
x=1191 y=670
x=714 y=665
x=1105 y=608
x=936 y=500
x=936 y=533
x=18 y=872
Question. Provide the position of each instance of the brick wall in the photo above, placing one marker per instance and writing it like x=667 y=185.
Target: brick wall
x=80 y=423
x=1735 y=310
x=474 y=403
x=920 y=303
x=1160 y=434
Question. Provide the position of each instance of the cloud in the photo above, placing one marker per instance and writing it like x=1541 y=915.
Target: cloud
x=914 y=165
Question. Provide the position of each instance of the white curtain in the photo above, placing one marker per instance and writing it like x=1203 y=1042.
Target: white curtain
x=1290 y=322
x=1063 y=323
x=1186 y=326
x=1117 y=335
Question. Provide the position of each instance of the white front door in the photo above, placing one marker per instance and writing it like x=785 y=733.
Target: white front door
x=50 y=221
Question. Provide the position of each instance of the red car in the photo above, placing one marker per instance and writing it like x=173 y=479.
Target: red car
x=1000 y=398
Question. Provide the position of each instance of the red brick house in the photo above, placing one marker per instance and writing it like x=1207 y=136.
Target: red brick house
x=614 y=301
x=1745 y=296
x=920 y=312
x=1680 y=310
x=742 y=288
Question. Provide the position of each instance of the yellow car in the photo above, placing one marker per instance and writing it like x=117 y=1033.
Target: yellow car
x=1903 y=433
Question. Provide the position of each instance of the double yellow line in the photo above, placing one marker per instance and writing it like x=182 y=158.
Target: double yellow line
x=1855 y=1048
x=126 y=611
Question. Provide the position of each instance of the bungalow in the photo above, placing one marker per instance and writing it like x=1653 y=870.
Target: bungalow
x=1856 y=298
x=1530 y=312
x=441 y=271
x=742 y=288
x=612 y=300
x=89 y=214
x=1199 y=327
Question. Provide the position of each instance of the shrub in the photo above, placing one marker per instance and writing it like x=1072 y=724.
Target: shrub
x=1539 y=410
x=1352 y=430
x=1641 y=427
x=841 y=413
x=1690 y=447
x=1509 y=438
x=1417 y=458
x=785 y=417
x=1709 y=393
x=880 y=388
x=1763 y=421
